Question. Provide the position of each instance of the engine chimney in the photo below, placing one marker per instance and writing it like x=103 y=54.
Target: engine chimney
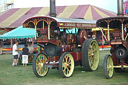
x=52 y=8
x=120 y=8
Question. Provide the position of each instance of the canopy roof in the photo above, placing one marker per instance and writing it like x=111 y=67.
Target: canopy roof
x=63 y=22
x=14 y=17
x=114 y=22
x=19 y=32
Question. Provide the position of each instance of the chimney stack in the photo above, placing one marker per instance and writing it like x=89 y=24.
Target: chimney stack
x=120 y=8
x=52 y=8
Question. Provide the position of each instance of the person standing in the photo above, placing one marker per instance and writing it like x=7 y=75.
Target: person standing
x=15 y=53
x=1 y=46
x=31 y=49
x=25 y=55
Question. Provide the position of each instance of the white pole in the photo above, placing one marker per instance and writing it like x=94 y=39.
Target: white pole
x=43 y=24
x=108 y=33
x=122 y=32
x=48 y=32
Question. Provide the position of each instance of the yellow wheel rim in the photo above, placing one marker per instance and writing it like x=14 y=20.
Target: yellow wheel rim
x=93 y=55
x=41 y=59
x=68 y=65
x=110 y=66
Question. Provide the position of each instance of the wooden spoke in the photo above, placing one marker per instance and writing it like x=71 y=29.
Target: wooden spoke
x=65 y=68
x=37 y=67
x=66 y=58
x=68 y=70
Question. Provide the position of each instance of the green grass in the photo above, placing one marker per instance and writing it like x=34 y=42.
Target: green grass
x=24 y=75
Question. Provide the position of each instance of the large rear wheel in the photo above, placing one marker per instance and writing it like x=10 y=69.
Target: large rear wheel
x=108 y=66
x=90 y=55
x=38 y=65
x=66 y=65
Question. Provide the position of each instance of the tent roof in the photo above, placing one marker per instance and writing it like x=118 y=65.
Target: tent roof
x=19 y=32
x=14 y=17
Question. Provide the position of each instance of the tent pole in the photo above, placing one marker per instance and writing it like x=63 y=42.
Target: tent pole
x=11 y=44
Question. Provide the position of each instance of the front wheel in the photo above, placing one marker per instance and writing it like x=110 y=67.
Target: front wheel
x=38 y=65
x=90 y=55
x=66 y=65
x=108 y=66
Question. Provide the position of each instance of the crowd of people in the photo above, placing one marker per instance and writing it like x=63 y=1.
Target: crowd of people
x=27 y=50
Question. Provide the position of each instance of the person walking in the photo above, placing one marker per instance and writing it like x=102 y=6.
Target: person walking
x=15 y=53
x=25 y=55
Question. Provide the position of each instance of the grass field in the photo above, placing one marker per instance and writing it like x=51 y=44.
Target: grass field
x=24 y=75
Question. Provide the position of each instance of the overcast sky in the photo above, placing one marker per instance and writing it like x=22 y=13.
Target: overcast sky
x=105 y=4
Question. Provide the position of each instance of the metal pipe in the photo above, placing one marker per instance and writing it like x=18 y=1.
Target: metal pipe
x=120 y=8
x=52 y=8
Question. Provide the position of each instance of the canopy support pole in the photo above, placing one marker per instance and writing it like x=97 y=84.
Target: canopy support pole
x=11 y=44
x=108 y=32
x=122 y=31
x=102 y=41
x=35 y=32
x=43 y=25
x=48 y=31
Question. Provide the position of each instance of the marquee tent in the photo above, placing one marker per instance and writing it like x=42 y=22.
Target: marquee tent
x=19 y=32
x=13 y=18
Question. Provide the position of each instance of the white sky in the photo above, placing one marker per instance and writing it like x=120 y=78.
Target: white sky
x=105 y=4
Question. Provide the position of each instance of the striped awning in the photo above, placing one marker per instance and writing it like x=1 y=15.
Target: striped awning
x=14 y=17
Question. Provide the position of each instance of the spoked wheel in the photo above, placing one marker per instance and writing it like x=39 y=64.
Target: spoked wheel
x=38 y=65
x=108 y=66
x=90 y=55
x=66 y=65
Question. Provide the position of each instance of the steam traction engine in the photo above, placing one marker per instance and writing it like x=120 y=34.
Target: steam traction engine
x=63 y=44
x=118 y=59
